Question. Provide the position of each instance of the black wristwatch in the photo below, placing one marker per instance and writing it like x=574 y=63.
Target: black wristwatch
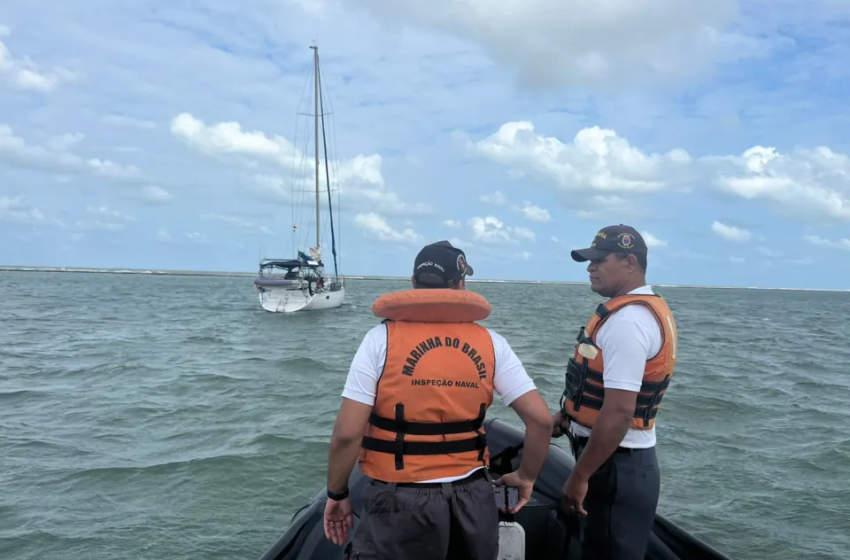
x=338 y=497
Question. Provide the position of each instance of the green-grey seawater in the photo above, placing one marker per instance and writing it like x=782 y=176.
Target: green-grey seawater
x=160 y=417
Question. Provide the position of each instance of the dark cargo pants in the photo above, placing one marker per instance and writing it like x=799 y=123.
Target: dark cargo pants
x=431 y=521
x=621 y=499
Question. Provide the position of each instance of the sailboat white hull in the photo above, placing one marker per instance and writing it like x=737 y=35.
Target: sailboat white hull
x=279 y=300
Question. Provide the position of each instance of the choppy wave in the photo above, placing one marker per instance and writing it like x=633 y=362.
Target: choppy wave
x=151 y=416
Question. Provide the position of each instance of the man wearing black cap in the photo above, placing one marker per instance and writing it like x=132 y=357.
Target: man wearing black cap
x=425 y=376
x=441 y=265
x=620 y=369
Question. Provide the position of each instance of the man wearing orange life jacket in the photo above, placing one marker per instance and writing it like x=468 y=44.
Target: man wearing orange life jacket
x=412 y=411
x=619 y=372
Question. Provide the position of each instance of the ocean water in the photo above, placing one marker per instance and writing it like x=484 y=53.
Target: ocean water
x=167 y=417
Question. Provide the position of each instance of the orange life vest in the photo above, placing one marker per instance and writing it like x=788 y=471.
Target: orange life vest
x=584 y=393
x=435 y=389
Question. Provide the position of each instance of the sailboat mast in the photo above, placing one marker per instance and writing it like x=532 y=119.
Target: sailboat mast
x=316 y=135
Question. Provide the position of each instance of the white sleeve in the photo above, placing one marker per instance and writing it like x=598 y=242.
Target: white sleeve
x=627 y=340
x=510 y=380
x=367 y=367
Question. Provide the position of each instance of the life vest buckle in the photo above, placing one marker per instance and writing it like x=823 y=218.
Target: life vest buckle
x=581 y=334
x=654 y=399
x=575 y=379
x=399 y=436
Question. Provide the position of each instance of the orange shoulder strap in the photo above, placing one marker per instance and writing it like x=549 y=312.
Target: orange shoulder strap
x=653 y=302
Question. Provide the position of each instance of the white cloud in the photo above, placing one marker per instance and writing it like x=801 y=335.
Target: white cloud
x=737 y=260
x=359 y=178
x=807 y=182
x=452 y=223
x=587 y=43
x=25 y=74
x=376 y=226
x=600 y=206
x=105 y=212
x=104 y=219
x=229 y=138
x=842 y=243
x=498 y=198
x=652 y=241
x=163 y=235
x=730 y=233
x=492 y=230
x=596 y=160
x=16 y=210
x=530 y=211
x=533 y=213
x=154 y=195
x=56 y=156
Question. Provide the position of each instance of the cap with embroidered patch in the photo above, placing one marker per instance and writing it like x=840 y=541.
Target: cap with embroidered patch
x=612 y=239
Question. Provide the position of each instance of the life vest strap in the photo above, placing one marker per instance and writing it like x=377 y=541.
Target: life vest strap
x=602 y=311
x=645 y=412
x=647 y=394
x=399 y=448
x=581 y=393
x=424 y=447
x=578 y=373
x=429 y=428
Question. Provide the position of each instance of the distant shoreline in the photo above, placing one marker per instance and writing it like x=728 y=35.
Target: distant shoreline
x=220 y=274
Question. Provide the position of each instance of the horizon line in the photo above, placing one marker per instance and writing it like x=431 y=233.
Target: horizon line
x=238 y=274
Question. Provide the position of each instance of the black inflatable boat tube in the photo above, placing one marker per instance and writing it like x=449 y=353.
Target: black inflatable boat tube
x=550 y=534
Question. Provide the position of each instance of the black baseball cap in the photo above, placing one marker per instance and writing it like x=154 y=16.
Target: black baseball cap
x=612 y=239
x=440 y=265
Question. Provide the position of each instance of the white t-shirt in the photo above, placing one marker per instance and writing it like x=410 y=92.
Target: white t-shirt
x=628 y=339
x=510 y=380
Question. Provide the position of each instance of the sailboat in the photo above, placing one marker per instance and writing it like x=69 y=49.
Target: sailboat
x=287 y=285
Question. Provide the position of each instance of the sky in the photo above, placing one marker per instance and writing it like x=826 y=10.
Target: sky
x=160 y=134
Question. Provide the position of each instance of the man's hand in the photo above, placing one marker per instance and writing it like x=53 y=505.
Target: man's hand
x=560 y=425
x=575 y=489
x=524 y=485
x=338 y=520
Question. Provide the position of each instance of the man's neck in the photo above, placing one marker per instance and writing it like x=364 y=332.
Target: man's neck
x=630 y=287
